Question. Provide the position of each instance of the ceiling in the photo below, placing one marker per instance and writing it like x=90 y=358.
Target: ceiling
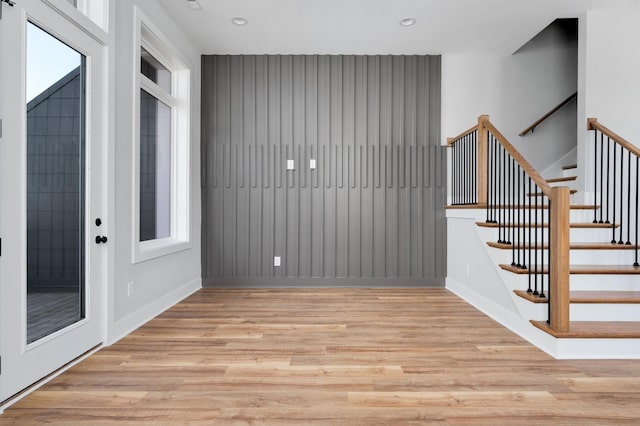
x=368 y=26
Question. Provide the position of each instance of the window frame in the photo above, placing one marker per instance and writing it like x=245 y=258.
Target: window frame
x=147 y=36
x=89 y=15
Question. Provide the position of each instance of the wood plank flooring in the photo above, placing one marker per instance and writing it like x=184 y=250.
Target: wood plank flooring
x=334 y=357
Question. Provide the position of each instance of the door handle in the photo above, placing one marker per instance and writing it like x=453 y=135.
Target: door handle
x=101 y=239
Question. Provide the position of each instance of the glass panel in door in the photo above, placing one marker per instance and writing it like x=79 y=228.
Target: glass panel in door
x=55 y=184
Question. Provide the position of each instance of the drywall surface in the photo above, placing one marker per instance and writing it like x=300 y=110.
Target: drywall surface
x=515 y=91
x=157 y=283
x=369 y=213
x=609 y=77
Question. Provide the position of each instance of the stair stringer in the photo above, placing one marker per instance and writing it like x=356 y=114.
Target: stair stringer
x=482 y=283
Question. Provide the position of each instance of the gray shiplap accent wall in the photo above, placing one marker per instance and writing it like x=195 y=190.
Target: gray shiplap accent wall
x=371 y=213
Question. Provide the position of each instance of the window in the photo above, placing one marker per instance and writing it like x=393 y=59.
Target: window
x=97 y=12
x=161 y=160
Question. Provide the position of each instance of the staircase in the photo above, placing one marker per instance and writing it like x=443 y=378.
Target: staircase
x=572 y=269
x=604 y=293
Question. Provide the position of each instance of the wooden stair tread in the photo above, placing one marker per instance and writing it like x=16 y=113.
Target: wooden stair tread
x=562 y=179
x=530 y=296
x=572 y=166
x=539 y=194
x=588 y=225
x=519 y=206
x=589 y=297
x=595 y=329
x=572 y=246
x=581 y=269
x=604 y=296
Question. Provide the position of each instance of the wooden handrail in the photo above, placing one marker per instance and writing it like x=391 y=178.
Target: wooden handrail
x=526 y=166
x=451 y=141
x=559 y=213
x=593 y=124
x=547 y=115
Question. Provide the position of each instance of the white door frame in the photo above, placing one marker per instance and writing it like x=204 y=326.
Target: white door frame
x=22 y=364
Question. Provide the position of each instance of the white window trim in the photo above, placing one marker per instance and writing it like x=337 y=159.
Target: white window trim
x=91 y=16
x=148 y=36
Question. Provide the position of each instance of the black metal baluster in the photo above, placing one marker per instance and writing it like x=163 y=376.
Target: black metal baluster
x=608 y=172
x=501 y=218
x=474 y=146
x=628 y=242
x=496 y=174
x=518 y=241
x=457 y=172
x=465 y=162
x=472 y=168
x=621 y=195
x=507 y=201
x=489 y=180
x=521 y=199
x=595 y=177
x=601 y=174
x=548 y=272
x=542 y=231
x=460 y=175
x=529 y=240
x=535 y=244
x=512 y=175
x=613 y=216
x=454 y=159
x=637 y=212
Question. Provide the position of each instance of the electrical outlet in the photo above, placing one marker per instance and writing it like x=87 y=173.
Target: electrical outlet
x=276 y=261
x=290 y=165
x=130 y=289
x=312 y=163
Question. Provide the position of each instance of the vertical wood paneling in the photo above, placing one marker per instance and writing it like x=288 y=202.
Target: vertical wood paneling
x=373 y=206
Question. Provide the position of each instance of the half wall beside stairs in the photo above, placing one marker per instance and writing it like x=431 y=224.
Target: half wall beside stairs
x=537 y=262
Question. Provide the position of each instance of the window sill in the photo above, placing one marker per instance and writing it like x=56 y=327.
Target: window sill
x=147 y=250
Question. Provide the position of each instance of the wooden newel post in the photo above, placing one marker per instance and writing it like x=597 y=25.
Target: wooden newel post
x=559 y=259
x=482 y=160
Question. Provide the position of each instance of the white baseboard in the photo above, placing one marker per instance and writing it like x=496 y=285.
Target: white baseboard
x=558 y=348
x=504 y=317
x=125 y=326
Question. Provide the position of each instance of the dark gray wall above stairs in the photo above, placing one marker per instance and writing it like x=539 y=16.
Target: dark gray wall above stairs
x=371 y=213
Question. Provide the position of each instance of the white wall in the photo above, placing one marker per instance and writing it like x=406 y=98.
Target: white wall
x=514 y=91
x=161 y=282
x=609 y=76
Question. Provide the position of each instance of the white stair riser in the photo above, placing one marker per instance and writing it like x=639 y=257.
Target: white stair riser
x=577 y=235
x=576 y=216
x=533 y=311
x=605 y=282
x=602 y=257
x=576 y=257
x=578 y=282
x=604 y=312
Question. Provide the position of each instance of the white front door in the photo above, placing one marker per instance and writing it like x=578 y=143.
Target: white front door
x=52 y=91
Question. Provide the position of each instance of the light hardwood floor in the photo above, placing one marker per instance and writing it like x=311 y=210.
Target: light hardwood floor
x=331 y=356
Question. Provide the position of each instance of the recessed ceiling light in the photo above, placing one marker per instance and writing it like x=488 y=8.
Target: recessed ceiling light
x=407 y=22
x=193 y=4
x=239 y=21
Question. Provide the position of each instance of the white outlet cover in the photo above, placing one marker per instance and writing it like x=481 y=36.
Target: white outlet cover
x=276 y=261
x=290 y=165
x=312 y=163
